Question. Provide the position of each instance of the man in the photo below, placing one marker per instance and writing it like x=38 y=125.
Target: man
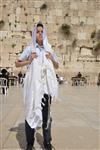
x=40 y=85
x=20 y=75
x=79 y=75
x=4 y=74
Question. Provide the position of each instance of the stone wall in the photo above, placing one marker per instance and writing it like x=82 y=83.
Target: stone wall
x=18 y=18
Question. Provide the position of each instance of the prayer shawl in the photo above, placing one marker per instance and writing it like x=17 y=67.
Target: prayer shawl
x=38 y=74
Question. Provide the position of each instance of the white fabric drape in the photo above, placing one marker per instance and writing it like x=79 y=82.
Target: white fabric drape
x=37 y=75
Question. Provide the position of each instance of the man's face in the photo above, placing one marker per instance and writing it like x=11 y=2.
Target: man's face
x=39 y=35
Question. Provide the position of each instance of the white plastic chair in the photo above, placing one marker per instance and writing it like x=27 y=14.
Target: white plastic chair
x=3 y=84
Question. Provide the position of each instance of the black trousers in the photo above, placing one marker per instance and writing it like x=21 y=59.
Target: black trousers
x=46 y=127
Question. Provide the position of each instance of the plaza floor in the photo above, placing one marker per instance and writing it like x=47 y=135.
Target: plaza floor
x=75 y=125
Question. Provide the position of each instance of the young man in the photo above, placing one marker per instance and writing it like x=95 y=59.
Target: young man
x=40 y=85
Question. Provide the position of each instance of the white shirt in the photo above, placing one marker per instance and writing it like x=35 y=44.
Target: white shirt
x=28 y=50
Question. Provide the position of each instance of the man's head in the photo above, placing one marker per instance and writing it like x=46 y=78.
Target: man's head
x=39 y=34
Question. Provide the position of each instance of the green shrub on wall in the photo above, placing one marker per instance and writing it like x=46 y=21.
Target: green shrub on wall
x=95 y=36
x=44 y=6
x=66 y=29
x=1 y=24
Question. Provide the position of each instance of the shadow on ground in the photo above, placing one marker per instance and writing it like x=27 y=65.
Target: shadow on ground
x=20 y=134
x=21 y=138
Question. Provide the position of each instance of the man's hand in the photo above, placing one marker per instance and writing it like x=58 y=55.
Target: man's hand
x=48 y=55
x=33 y=55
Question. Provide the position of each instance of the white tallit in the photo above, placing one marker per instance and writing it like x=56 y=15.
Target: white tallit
x=37 y=75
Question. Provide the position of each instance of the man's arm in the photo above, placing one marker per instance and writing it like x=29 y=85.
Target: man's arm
x=56 y=64
x=21 y=63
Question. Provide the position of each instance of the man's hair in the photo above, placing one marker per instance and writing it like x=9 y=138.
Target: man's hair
x=40 y=25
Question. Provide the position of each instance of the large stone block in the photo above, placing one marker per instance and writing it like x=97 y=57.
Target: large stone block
x=5 y=27
x=18 y=27
x=13 y=27
x=12 y=18
x=74 y=20
x=50 y=19
x=81 y=36
x=58 y=5
x=50 y=5
x=82 y=5
x=97 y=13
x=89 y=29
x=73 y=5
x=38 y=12
x=98 y=27
x=38 y=4
x=17 y=18
x=83 y=19
x=81 y=13
x=74 y=57
x=97 y=20
x=73 y=13
x=90 y=20
x=58 y=12
x=85 y=51
x=90 y=13
x=59 y=20
x=36 y=18
x=84 y=1
x=30 y=26
x=97 y=5
x=32 y=11
x=23 y=18
x=18 y=10
x=24 y=27
x=30 y=18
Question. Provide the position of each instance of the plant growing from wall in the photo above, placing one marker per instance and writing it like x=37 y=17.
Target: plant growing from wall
x=74 y=43
x=66 y=15
x=66 y=29
x=1 y=24
x=9 y=23
x=43 y=6
x=98 y=35
x=21 y=6
x=24 y=9
x=4 y=6
x=26 y=14
x=95 y=36
x=23 y=37
x=1 y=40
x=96 y=50
x=13 y=45
x=81 y=23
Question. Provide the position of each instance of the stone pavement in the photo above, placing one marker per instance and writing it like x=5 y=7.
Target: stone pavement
x=76 y=119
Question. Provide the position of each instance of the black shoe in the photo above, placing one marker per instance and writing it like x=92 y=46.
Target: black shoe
x=29 y=147
x=48 y=146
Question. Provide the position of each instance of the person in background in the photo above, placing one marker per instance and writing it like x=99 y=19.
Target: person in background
x=20 y=75
x=4 y=74
x=98 y=81
x=79 y=75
